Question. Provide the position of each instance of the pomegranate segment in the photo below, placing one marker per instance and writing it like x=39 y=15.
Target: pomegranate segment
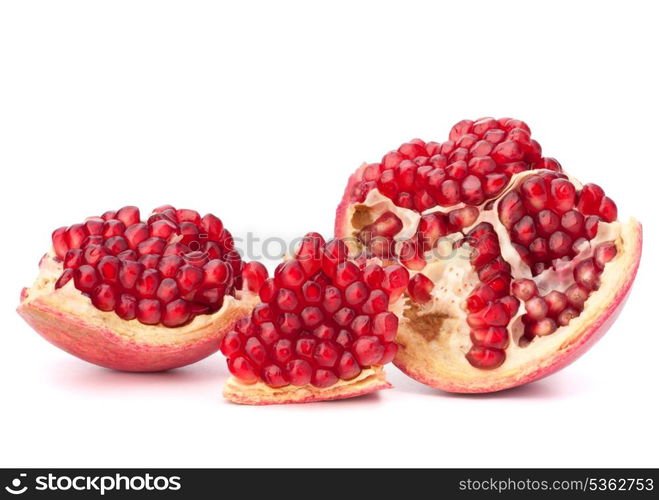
x=141 y=295
x=322 y=331
x=507 y=283
x=175 y=266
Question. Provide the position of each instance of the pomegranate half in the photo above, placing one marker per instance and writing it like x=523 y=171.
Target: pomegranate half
x=140 y=295
x=517 y=268
x=323 y=329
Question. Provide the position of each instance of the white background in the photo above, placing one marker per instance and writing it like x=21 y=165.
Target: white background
x=259 y=112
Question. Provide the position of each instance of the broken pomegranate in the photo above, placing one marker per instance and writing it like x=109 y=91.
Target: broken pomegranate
x=516 y=268
x=141 y=295
x=323 y=329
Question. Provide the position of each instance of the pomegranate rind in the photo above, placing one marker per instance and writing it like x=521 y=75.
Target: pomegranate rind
x=368 y=381
x=435 y=363
x=67 y=319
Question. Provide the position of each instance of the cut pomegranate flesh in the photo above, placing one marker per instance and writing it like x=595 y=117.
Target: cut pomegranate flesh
x=141 y=295
x=496 y=272
x=323 y=329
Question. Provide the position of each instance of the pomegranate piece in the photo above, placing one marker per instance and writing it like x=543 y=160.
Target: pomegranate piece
x=322 y=331
x=513 y=250
x=141 y=295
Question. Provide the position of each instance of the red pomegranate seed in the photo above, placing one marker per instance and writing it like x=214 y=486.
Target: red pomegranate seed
x=94 y=226
x=462 y=217
x=536 y=308
x=74 y=258
x=254 y=274
x=524 y=289
x=547 y=222
x=126 y=306
x=556 y=302
x=287 y=300
x=211 y=226
x=167 y=290
x=129 y=272
x=188 y=278
x=604 y=253
x=128 y=215
x=368 y=350
x=534 y=193
x=586 y=274
x=567 y=315
x=511 y=209
x=85 y=278
x=493 y=337
x=563 y=195
x=420 y=288
x=147 y=284
x=148 y=311
x=560 y=244
x=524 y=231
x=75 y=235
x=169 y=266
x=589 y=199
x=241 y=368
x=542 y=327
x=481 y=296
x=608 y=210
x=576 y=296
x=485 y=358
x=112 y=228
x=64 y=278
x=104 y=297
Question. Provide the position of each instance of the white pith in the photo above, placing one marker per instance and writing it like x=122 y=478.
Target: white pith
x=442 y=351
x=70 y=302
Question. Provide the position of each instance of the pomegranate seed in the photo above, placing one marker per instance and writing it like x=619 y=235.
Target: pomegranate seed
x=542 y=327
x=534 y=193
x=287 y=300
x=586 y=274
x=85 y=278
x=254 y=274
x=75 y=235
x=608 y=210
x=604 y=253
x=511 y=209
x=589 y=199
x=547 y=222
x=242 y=369
x=74 y=258
x=148 y=311
x=563 y=195
x=536 y=308
x=112 y=228
x=64 y=278
x=481 y=296
x=462 y=217
x=494 y=337
x=128 y=215
x=567 y=315
x=524 y=289
x=420 y=288
x=108 y=269
x=104 y=297
x=556 y=302
x=485 y=358
x=576 y=296
x=126 y=307
x=94 y=226
x=524 y=231
x=560 y=244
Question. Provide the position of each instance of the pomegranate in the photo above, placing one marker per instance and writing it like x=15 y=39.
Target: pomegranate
x=323 y=329
x=141 y=295
x=517 y=268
